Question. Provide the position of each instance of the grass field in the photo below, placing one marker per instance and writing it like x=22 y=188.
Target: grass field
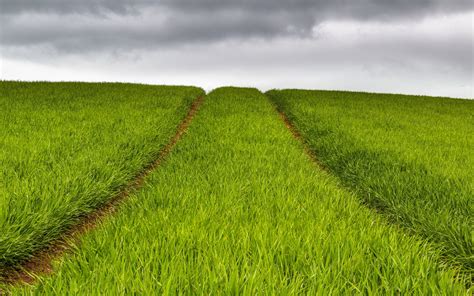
x=411 y=158
x=239 y=208
x=67 y=148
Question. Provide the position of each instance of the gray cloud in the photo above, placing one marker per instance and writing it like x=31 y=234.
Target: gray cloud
x=370 y=44
x=368 y=62
x=163 y=28
x=74 y=26
x=13 y=7
x=358 y=8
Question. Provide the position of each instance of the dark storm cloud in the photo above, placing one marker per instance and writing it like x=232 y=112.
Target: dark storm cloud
x=126 y=24
x=334 y=8
x=76 y=33
x=357 y=8
x=12 y=7
x=413 y=46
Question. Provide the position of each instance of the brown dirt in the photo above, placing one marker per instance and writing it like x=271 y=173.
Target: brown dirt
x=40 y=263
x=300 y=139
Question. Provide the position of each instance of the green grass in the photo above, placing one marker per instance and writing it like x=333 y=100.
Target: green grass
x=67 y=148
x=238 y=208
x=411 y=158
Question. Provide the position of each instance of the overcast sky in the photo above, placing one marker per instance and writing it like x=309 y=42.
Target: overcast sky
x=398 y=46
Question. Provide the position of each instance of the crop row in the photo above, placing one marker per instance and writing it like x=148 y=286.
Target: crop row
x=68 y=148
x=238 y=208
x=411 y=158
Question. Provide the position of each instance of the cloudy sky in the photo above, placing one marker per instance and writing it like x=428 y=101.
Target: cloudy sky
x=401 y=46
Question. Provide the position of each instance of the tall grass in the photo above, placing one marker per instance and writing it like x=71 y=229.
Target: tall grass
x=238 y=208
x=412 y=158
x=67 y=148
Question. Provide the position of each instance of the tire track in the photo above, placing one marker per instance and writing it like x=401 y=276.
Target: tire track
x=41 y=263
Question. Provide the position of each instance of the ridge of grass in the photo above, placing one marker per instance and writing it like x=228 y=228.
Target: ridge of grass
x=411 y=158
x=68 y=148
x=237 y=208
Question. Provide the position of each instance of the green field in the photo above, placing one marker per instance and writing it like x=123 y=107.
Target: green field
x=411 y=158
x=238 y=207
x=67 y=148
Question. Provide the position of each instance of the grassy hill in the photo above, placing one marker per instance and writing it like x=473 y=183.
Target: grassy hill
x=341 y=193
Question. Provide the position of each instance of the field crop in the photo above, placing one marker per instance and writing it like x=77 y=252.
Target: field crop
x=411 y=158
x=68 y=148
x=239 y=208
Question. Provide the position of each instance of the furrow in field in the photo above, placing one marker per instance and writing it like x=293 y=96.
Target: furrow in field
x=41 y=262
x=237 y=208
x=410 y=158
x=89 y=146
x=299 y=138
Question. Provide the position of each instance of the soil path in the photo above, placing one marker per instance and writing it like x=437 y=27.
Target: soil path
x=299 y=138
x=41 y=263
